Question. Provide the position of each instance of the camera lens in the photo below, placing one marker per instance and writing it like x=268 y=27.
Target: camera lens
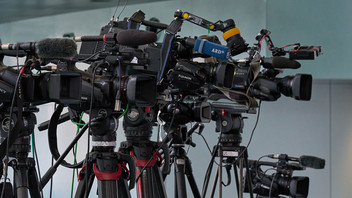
x=223 y=74
x=298 y=86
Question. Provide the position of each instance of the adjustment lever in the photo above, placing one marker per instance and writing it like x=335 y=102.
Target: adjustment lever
x=132 y=169
x=166 y=166
x=192 y=129
x=189 y=134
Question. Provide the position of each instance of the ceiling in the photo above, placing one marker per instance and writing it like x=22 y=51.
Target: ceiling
x=15 y=10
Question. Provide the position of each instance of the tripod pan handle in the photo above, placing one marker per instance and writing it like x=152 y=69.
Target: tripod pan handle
x=132 y=168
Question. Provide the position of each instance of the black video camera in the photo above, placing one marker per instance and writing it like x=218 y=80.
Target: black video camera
x=281 y=182
x=124 y=65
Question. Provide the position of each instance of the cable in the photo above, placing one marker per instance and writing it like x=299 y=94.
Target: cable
x=10 y=125
x=118 y=2
x=78 y=124
x=52 y=179
x=256 y=170
x=206 y=143
x=75 y=152
x=260 y=42
x=207 y=174
x=52 y=164
x=269 y=169
x=250 y=139
x=118 y=17
x=294 y=44
x=127 y=106
x=91 y=56
x=271 y=185
x=32 y=138
x=37 y=161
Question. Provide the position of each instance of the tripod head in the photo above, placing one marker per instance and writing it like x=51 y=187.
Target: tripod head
x=229 y=122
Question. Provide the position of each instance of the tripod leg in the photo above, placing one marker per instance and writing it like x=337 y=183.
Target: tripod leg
x=215 y=183
x=21 y=178
x=33 y=182
x=150 y=183
x=191 y=180
x=145 y=183
x=249 y=179
x=220 y=177
x=107 y=188
x=159 y=183
x=236 y=179
x=175 y=187
x=81 y=191
x=123 y=191
x=241 y=178
x=208 y=173
x=180 y=177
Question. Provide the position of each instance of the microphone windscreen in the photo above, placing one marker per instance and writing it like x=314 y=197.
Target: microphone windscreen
x=312 y=162
x=133 y=37
x=284 y=63
x=56 y=48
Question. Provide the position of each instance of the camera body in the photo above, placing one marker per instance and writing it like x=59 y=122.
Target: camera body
x=60 y=87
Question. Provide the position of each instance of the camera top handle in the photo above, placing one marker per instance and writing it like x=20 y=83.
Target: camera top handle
x=231 y=33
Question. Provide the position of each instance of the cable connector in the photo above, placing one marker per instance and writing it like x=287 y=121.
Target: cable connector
x=117 y=105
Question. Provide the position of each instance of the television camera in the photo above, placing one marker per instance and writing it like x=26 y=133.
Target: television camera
x=131 y=76
x=281 y=182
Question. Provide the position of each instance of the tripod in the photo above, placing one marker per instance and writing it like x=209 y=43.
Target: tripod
x=25 y=175
x=229 y=152
x=182 y=162
x=102 y=162
x=138 y=130
x=176 y=115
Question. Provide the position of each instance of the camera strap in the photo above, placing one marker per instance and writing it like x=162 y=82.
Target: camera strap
x=171 y=31
x=239 y=97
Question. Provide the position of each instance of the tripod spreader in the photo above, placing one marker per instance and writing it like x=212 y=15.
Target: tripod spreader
x=110 y=166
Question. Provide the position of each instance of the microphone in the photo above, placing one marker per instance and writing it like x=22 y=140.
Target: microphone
x=312 y=162
x=304 y=160
x=133 y=37
x=47 y=48
x=104 y=37
x=56 y=48
x=278 y=62
x=212 y=49
x=130 y=37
